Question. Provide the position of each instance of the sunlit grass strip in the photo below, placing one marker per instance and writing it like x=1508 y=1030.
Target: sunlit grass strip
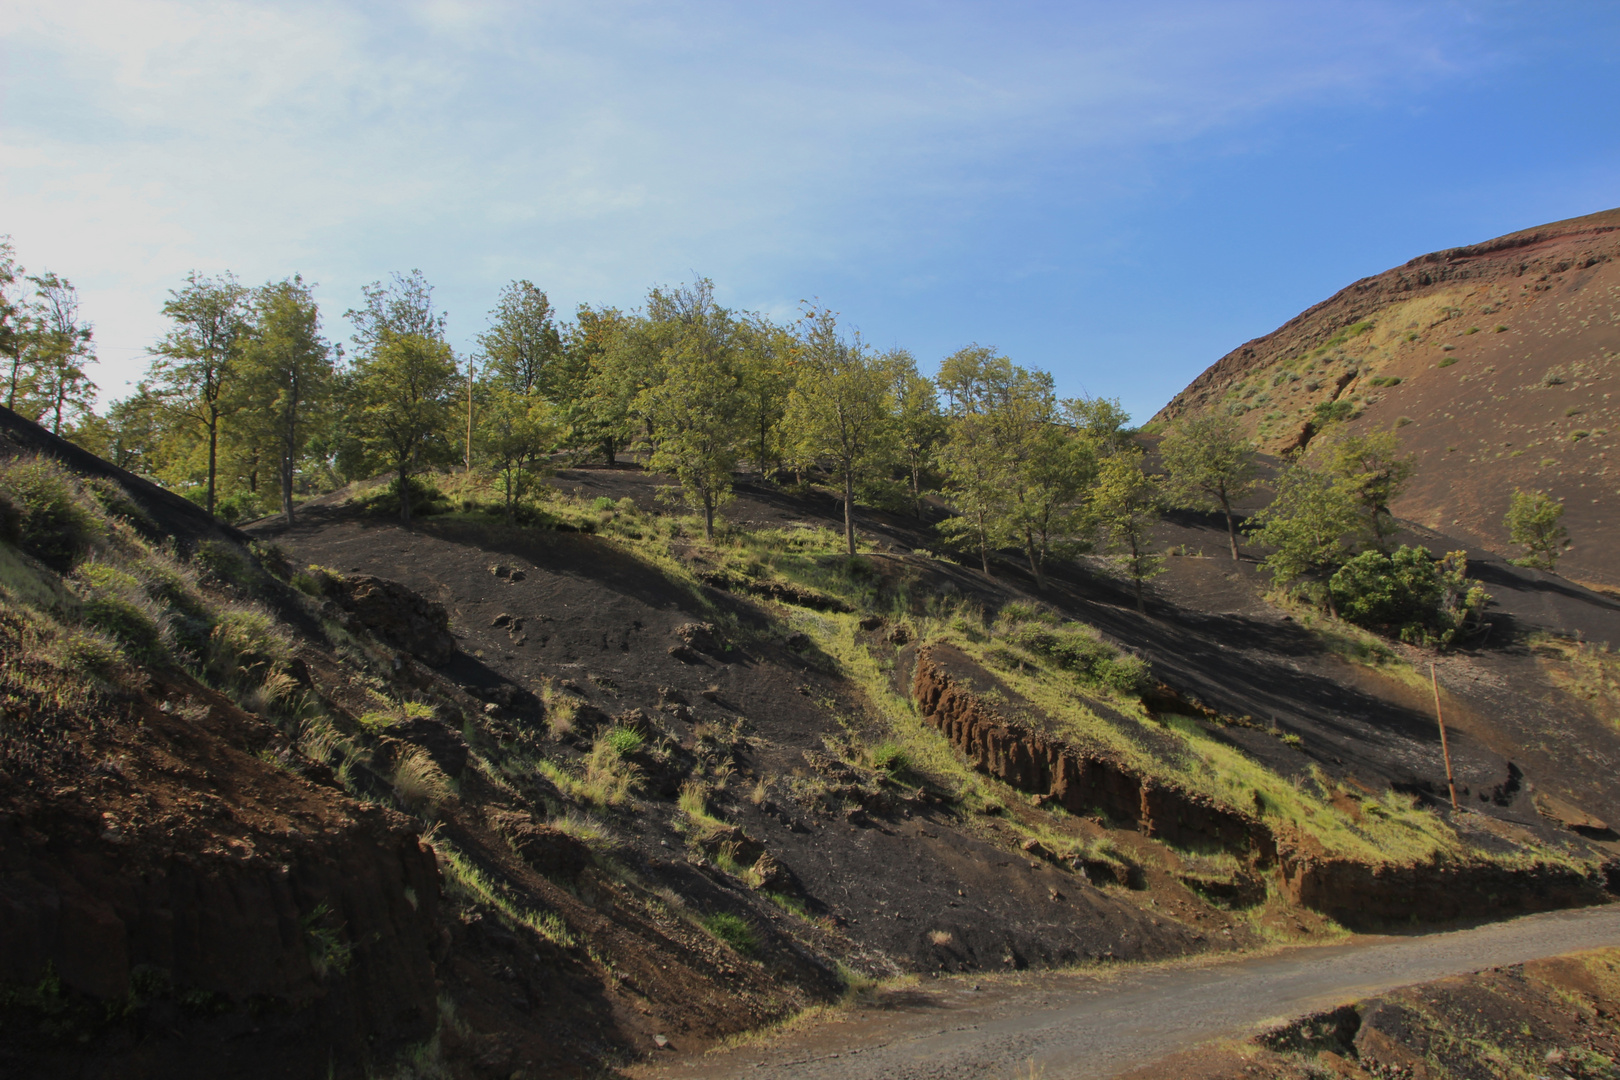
x=466 y=881
x=928 y=753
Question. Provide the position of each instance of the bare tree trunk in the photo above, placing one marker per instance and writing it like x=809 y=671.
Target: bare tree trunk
x=404 y=493
x=1136 y=574
x=213 y=451
x=289 y=441
x=1034 y=563
x=708 y=515
x=849 y=510
x=984 y=546
x=1231 y=527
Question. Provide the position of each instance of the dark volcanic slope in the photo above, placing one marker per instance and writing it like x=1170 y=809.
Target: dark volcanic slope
x=1498 y=363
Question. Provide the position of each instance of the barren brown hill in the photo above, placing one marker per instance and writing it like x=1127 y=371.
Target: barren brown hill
x=1496 y=362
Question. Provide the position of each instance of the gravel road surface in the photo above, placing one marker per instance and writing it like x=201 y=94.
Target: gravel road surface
x=1063 y=1026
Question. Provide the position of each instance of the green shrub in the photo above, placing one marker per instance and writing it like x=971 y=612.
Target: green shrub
x=238 y=506
x=1410 y=595
x=890 y=757
x=126 y=623
x=1074 y=649
x=116 y=502
x=1329 y=412
x=733 y=931
x=1448 y=361
x=55 y=523
x=426 y=498
x=224 y=562
x=624 y=741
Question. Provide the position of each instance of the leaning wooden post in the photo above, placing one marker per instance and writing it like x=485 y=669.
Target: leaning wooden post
x=1444 y=749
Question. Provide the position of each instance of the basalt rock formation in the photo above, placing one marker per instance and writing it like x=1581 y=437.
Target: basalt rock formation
x=1354 y=892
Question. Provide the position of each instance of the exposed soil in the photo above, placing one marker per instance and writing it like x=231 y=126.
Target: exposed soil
x=1497 y=362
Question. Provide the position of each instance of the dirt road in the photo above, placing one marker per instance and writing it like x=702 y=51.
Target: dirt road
x=1067 y=1026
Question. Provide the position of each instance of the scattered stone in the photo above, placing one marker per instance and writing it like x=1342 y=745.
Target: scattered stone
x=710 y=694
x=671 y=695
x=797 y=641
x=872 y=622
x=661 y=1042
x=700 y=636
x=518 y=575
x=503 y=619
x=900 y=635
x=686 y=654
x=501 y=571
x=401 y=617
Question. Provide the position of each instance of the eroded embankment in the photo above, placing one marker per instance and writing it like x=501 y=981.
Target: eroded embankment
x=1350 y=890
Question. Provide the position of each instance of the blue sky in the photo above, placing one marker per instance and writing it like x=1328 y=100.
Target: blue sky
x=1117 y=193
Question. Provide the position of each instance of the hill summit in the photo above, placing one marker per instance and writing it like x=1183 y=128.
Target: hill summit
x=1496 y=363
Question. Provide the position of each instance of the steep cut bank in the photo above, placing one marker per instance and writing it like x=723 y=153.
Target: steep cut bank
x=951 y=694
x=1497 y=363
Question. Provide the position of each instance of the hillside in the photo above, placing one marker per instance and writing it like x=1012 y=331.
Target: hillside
x=1497 y=363
x=480 y=798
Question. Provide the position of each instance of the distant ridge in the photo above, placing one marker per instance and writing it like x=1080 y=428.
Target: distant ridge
x=1498 y=362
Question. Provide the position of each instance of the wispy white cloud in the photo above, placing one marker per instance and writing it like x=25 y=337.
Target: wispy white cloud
x=599 y=147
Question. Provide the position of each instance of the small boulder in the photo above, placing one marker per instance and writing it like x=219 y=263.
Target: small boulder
x=700 y=636
x=403 y=618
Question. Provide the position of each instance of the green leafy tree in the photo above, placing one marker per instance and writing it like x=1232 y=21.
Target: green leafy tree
x=405 y=385
x=402 y=306
x=63 y=344
x=692 y=402
x=1534 y=523
x=919 y=423
x=194 y=364
x=1209 y=463
x=515 y=433
x=1411 y=595
x=285 y=378
x=602 y=380
x=1313 y=525
x=1372 y=469
x=523 y=349
x=1126 y=503
x=975 y=459
x=839 y=409
x=16 y=321
x=770 y=355
x=1103 y=420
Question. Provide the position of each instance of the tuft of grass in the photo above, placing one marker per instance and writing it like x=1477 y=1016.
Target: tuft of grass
x=733 y=931
x=51 y=517
x=419 y=784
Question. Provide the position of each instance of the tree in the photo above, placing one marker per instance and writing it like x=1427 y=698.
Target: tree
x=1373 y=471
x=195 y=362
x=770 y=356
x=286 y=375
x=1125 y=503
x=691 y=399
x=404 y=386
x=919 y=424
x=1313 y=524
x=16 y=318
x=975 y=459
x=839 y=408
x=600 y=387
x=1411 y=595
x=1533 y=522
x=1209 y=463
x=522 y=349
x=62 y=347
x=403 y=306
x=516 y=430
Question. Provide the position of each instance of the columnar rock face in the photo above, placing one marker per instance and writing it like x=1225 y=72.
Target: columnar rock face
x=237 y=904
x=1354 y=892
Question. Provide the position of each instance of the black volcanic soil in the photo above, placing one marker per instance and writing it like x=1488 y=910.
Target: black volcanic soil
x=1499 y=364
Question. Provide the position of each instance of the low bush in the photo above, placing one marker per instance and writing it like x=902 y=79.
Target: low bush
x=54 y=521
x=1410 y=595
x=1076 y=650
x=733 y=931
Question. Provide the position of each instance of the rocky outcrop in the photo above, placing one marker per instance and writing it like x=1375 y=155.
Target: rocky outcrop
x=1356 y=893
x=399 y=616
x=1078 y=780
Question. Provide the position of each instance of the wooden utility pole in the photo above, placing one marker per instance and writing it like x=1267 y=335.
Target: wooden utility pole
x=470 y=369
x=1451 y=783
